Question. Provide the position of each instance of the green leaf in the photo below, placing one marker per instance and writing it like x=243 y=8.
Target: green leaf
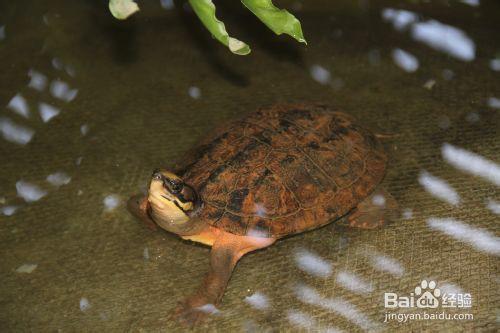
x=121 y=9
x=205 y=10
x=278 y=20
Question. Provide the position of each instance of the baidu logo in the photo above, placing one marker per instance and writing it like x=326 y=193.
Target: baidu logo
x=427 y=296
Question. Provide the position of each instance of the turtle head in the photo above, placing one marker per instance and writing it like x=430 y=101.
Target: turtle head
x=173 y=203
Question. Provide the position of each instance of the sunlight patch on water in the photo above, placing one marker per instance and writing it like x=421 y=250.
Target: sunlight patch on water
x=312 y=263
x=399 y=18
x=61 y=90
x=19 y=105
x=29 y=192
x=480 y=239
x=15 y=133
x=38 y=81
x=407 y=213
x=84 y=304
x=258 y=301
x=47 y=111
x=378 y=200
x=57 y=64
x=472 y=117
x=447 y=74
x=26 y=268
x=494 y=102
x=405 y=60
x=353 y=283
x=450 y=288
x=384 y=263
x=208 y=308
x=495 y=65
x=320 y=74
x=474 y=3
x=167 y=4
x=58 y=178
x=84 y=129
x=445 y=38
x=472 y=163
x=111 y=202
x=9 y=210
x=338 y=305
x=301 y=319
x=194 y=92
x=493 y=206
x=438 y=188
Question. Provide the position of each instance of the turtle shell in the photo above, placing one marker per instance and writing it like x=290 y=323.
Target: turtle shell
x=284 y=170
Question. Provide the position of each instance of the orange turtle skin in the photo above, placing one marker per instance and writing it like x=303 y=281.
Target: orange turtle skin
x=283 y=170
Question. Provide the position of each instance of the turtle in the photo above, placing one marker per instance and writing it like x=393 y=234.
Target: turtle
x=279 y=171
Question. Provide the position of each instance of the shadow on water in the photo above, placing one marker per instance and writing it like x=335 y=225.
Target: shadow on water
x=205 y=45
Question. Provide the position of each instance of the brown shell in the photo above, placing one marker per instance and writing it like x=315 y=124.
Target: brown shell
x=283 y=170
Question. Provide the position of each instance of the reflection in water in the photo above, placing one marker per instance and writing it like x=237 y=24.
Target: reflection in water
x=258 y=301
x=194 y=92
x=400 y=19
x=312 y=263
x=494 y=102
x=9 y=210
x=29 y=192
x=19 y=105
x=338 y=305
x=320 y=74
x=2 y=32
x=493 y=206
x=445 y=38
x=478 y=238
x=26 y=268
x=111 y=202
x=472 y=163
x=438 y=188
x=58 y=179
x=353 y=283
x=47 y=111
x=38 y=81
x=405 y=60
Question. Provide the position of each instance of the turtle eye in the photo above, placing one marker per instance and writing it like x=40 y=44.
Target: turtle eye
x=176 y=187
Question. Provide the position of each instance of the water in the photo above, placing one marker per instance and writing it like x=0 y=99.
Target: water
x=90 y=106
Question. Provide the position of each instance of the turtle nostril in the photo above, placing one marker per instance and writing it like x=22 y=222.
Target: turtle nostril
x=156 y=174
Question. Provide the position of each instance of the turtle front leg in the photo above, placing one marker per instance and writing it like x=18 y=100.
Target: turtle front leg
x=138 y=206
x=226 y=251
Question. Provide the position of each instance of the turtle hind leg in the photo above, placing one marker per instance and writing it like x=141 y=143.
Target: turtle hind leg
x=374 y=211
x=226 y=251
